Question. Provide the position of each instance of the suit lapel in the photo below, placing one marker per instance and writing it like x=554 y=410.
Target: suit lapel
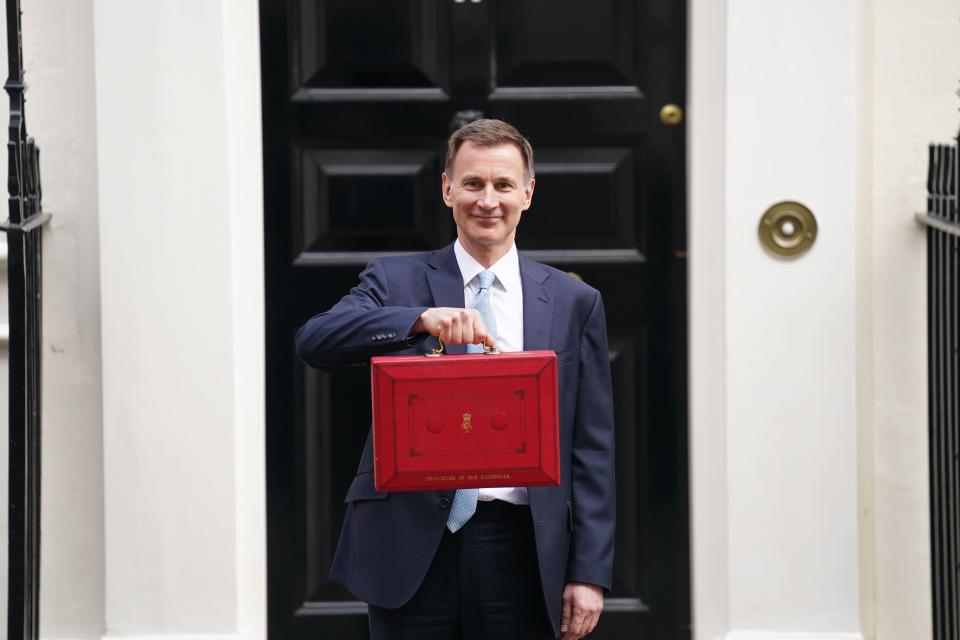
x=537 y=305
x=446 y=285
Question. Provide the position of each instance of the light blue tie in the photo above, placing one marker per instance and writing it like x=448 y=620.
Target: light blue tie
x=465 y=500
x=482 y=304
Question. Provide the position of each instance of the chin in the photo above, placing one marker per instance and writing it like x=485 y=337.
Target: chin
x=484 y=242
x=484 y=235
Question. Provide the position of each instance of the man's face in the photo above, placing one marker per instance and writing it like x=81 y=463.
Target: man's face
x=487 y=192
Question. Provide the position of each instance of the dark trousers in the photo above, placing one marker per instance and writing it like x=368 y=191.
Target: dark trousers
x=484 y=583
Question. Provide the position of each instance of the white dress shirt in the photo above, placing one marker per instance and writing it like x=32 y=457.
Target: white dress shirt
x=506 y=299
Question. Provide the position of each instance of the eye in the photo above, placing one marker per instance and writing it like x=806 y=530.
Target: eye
x=504 y=186
x=472 y=184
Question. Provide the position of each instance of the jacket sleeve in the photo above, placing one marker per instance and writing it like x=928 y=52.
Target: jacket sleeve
x=592 y=465
x=361 y=325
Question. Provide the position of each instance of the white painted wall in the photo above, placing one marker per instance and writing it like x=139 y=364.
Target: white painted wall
x=818 y=494
x=174 y=544
x=167 y=344
x=706 y=136
x=58 y=57
x=791 y=420
x=241 y=50
x=182 y=306
x=789 y=454
x=916 y=74
x=60 y=114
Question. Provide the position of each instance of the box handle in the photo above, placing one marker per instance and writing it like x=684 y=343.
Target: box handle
x=437 y=351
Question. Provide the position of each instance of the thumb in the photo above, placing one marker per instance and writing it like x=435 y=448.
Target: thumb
x=481 y=328
x=566 y=612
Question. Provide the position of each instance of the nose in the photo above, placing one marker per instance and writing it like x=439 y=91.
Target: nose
x=488 y=198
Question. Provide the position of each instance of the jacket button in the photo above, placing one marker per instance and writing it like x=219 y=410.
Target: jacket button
x=444 y=503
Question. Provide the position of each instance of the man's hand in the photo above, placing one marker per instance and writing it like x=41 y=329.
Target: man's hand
x=454 y=326
x=582 y=604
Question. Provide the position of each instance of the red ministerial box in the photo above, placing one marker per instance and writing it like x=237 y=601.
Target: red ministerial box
x=476 y=420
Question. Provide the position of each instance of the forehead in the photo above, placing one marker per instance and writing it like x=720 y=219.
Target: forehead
x=502 y=159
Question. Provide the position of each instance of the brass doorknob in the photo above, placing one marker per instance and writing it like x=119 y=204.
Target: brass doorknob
x=671 y=115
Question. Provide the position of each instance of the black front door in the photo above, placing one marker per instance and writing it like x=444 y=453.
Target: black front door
x=359 y=97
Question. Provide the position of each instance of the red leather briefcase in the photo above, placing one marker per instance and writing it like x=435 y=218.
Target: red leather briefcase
x=476 y=420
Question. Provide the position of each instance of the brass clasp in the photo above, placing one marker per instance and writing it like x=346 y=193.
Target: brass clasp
x=437 y=351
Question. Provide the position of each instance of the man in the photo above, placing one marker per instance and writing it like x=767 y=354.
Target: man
x=500 y=563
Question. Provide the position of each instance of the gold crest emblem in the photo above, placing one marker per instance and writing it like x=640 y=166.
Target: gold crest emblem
x=467 y=425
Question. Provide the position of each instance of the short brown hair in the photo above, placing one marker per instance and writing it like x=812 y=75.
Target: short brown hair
x=487 y=132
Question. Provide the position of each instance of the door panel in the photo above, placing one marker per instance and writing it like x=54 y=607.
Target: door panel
x=367 y=44
x=368 y=200
x=358 y=100
x=585 y=44
x=584 y=198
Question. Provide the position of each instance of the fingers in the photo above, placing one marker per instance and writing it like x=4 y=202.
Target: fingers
x=473 y=329
x=590 y=622
x=466 y=322
x=582 y=605
x=577 y=626
x=580 y=624
x=480 y=334
x=451 y=328
x=566 y=613
x=456 y=326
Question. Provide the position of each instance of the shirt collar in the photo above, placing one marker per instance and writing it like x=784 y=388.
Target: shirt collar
x=507 y=268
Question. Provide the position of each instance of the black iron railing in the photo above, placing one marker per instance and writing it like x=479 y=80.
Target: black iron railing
x=943 y=291
x=23 y=229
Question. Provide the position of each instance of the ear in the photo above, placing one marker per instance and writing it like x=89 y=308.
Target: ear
x=445 y=187
x=528 y=194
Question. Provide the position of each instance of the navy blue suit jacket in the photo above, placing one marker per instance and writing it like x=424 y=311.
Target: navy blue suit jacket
x=388 y=540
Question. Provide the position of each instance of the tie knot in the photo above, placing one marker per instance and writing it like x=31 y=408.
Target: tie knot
x=486 y=279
